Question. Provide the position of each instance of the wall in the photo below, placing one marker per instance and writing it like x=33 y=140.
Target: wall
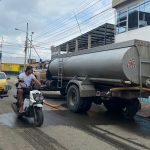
x=140 y=34
x=129 y=4
x=117 y=2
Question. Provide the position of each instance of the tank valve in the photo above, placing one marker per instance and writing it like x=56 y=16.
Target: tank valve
x=127 y=82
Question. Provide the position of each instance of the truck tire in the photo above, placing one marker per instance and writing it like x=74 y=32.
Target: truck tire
x=86 y=104
x=131 y=108
x=63 y=92
x=114 y=105
x=75 y=102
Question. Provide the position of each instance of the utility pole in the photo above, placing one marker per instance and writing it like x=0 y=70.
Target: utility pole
x=30 y=48
x=26 y=47
x=1 y=54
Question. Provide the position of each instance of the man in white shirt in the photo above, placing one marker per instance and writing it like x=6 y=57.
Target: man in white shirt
x=26 y=77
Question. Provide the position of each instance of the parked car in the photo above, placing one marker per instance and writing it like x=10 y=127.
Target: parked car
x=4 y=86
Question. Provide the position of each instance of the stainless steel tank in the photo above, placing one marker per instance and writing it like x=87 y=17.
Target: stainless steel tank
x=112 y=64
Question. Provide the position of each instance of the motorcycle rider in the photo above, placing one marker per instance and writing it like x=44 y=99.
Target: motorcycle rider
x=26 y=77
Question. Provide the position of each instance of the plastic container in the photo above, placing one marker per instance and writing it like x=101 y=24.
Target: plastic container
x=26 y=103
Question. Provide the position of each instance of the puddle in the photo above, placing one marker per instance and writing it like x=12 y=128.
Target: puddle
x=11 y=120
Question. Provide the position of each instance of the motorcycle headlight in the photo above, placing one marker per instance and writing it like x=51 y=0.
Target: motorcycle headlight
x=41 y=97
x=38 y=97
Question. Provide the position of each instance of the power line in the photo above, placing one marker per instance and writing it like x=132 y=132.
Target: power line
x=21 y=46
x=72 y=17
x=20 y=55
x=73 y=27
x=75 y=32
x=66 y=32
x=60 y=33
x=65 y=19
x=11 y=43
x=36 y=52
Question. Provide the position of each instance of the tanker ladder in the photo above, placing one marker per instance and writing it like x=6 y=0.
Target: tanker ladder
x=60 y=73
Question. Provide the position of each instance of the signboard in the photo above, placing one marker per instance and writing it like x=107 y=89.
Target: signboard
x=117 y=2
x=7 y=67
x=0 y=61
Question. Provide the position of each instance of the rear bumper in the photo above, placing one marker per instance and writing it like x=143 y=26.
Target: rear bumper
x=3 y=95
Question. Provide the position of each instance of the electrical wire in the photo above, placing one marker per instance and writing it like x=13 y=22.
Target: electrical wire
x=100 y=13
x=72 y=33
x=64 y=21
x=68 y=29
x=59 y=32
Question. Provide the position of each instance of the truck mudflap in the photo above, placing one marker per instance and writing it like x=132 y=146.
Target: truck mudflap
x=3 y=95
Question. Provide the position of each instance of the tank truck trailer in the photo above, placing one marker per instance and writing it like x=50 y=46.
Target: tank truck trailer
x=115 y=75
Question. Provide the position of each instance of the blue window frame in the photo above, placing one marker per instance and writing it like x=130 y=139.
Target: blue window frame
x=133 y=17
x=133 y=14
x=122 y=21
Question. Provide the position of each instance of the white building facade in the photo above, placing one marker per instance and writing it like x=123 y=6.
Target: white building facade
x=132 y=20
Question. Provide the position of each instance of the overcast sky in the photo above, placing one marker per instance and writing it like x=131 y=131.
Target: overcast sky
x=52 y=21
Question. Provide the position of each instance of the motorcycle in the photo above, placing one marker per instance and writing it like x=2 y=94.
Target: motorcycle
x=32 y=105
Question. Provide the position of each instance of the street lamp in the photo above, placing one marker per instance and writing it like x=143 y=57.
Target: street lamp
x=19 y=30
x=26 y=44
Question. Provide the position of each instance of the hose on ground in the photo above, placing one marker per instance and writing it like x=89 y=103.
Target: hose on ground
x=53 y=105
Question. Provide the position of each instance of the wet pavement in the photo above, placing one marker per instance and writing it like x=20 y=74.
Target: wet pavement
x=64 y=130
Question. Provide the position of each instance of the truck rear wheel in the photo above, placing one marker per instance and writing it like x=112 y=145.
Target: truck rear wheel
x=131 y=108
x=75 y=102
x=63 y=92
x=114 y=105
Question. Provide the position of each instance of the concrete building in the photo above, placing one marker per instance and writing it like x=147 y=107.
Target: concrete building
x=132 y=19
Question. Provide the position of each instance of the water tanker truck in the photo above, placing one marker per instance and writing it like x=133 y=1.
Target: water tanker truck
x=116 y=75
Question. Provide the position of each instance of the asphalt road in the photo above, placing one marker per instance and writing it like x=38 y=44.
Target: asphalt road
x=63 y=130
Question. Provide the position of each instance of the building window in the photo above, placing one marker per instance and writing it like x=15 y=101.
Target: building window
x=133 y=17
x=144 y=14
x=122 y=21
